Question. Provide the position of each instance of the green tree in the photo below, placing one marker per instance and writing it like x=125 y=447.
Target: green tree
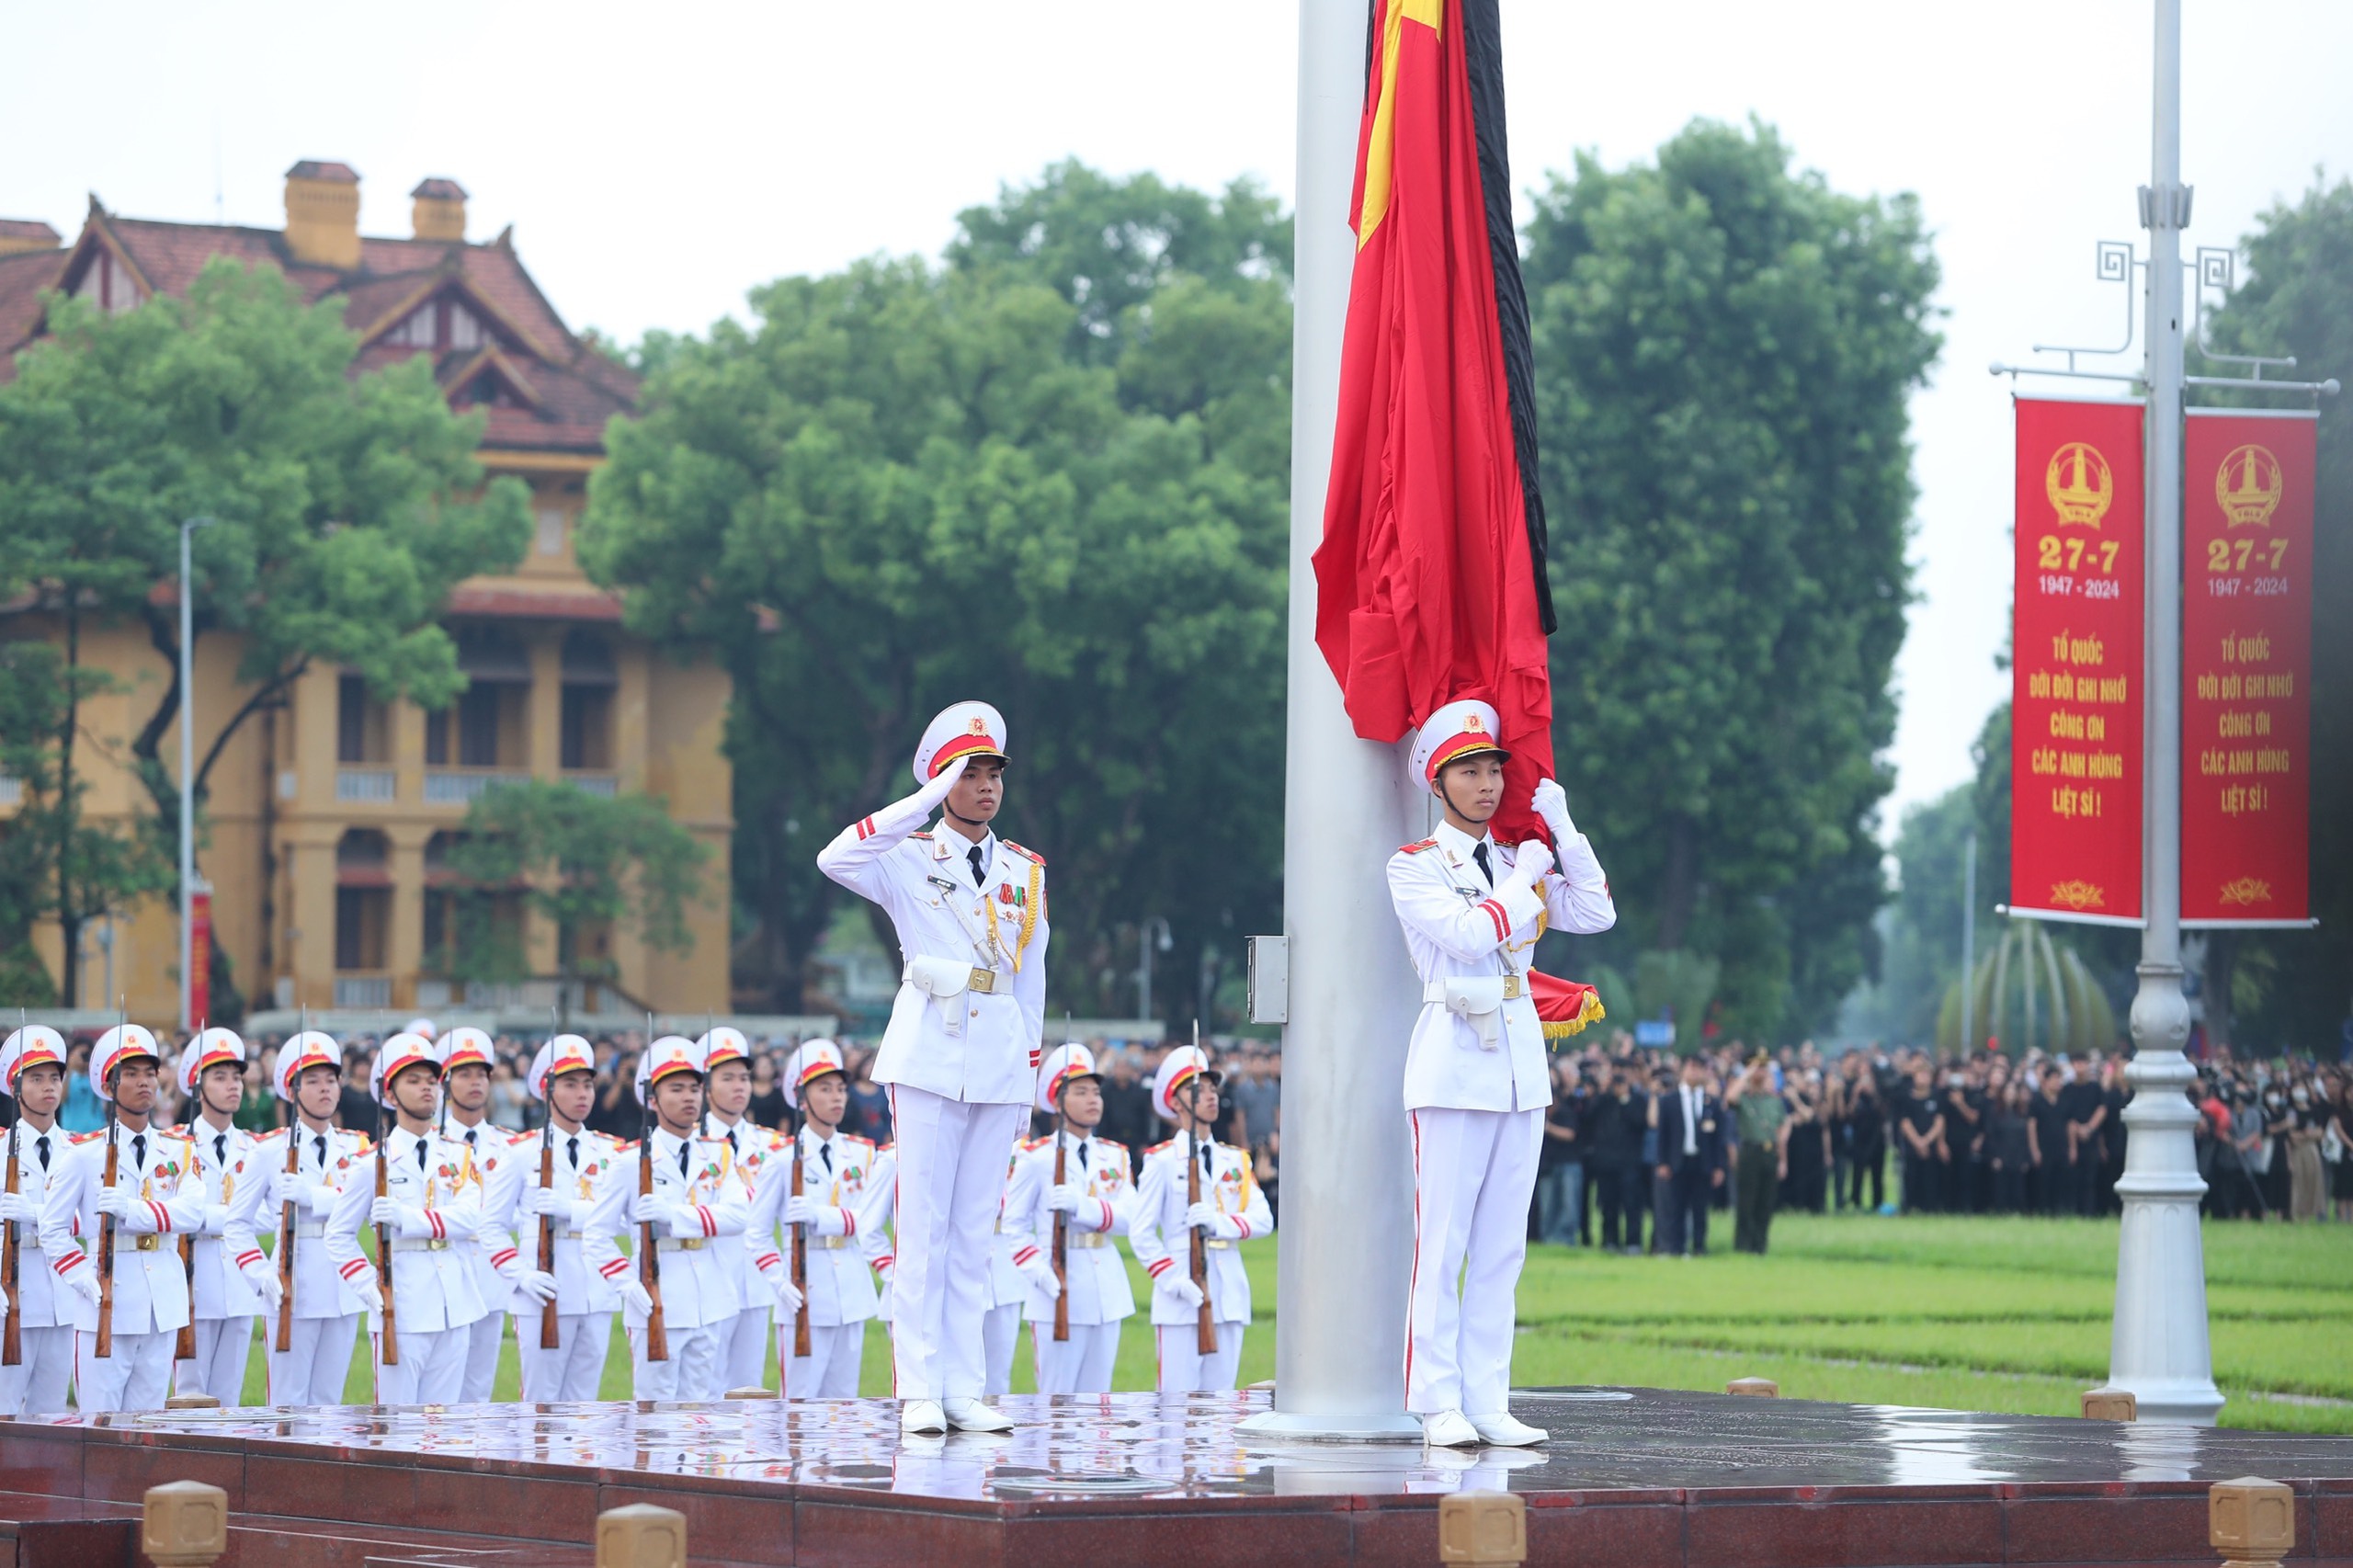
x=1723 y=353
x=346 y=508
x=906 y=485
x=590 y=864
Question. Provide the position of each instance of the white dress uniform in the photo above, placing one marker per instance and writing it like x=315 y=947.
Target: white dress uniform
x=580 y=1165
x=438 y=1194
x=706 y=1200
x=1159 y=1233
x=1477 y=1073
x=1101 y=1299
x=1008 y=1290
x=743 y=1343
x=37 y=1384
x=463 y=1047
x=316 y=1366
x=960 y=1052
x=156 y=1169
x=837 y=1176
x=226 y=1302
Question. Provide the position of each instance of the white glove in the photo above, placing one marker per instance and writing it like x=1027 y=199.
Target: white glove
x=390 y=1211
x=215 y=1220
x=1550 y=805
x=822 y=1219
x=321 y=1197
x=1204 y=1216
x=127 y=1209
x=1180 y=1288
x=538 y=1284
x=265 y=1280
x=1063 y=1200
x=935 y=791
x=84 y=1282
x=637 y=1298
x=1530 y=862
x=539 y=1200
x=370 y=1295
x=19 y=1206
x=653 y=1209
x=788 y=1299
x=1040 y=1272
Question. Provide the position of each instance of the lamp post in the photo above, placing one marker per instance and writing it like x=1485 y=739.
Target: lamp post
x=1969 y=943
x=188 y=775
x=1154 y=929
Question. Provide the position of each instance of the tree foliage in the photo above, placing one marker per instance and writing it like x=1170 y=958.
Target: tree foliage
x=1051 y=473
x=1723 y=353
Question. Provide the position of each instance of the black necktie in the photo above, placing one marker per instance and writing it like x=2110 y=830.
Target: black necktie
x=731 y=1141
x=220 y=1148
x=1479 y=853
x=420 y=1154
x=138 y=1151
x=41 y=1144
x=980 y=873
x=825 y=1153
x=470 y=1137
x=319 y=1142
x=682 y=1159
x=571 y=1147
x=1207 y=1170
x=1082 y=1156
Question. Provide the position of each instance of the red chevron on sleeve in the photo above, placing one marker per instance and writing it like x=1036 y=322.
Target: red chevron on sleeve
x=245 y=1257
x=163 y=1215
x=849 y=1222
x=440 y=1231
x=767 y=1261
x=352 y=1271
x=612 y=1270
x=866 y=829
x=1157 y=1269
x=500 y=1259
x=710 y=1225
x=1107 y=1212
x=1503 y=921
x=1024 y=1257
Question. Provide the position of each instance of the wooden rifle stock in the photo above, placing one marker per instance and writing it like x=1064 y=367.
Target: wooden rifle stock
x=286 y=1210
x=105 y=1348
x=12 y=1338
x=649 y=1264
x=184 y=1347
x=1062 y=1251
x=1205 y=1323
x=551 y=1326
x=800 y=1264
x=392 y=1343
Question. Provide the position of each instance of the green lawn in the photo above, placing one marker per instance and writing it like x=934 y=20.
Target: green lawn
x=1963 y=1314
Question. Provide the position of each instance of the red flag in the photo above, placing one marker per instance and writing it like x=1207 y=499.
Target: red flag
x=1430 y=580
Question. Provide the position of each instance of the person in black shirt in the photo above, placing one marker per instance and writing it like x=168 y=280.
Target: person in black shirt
x=1127 y=1107
x=1867 y=1138
x=767 y=1108
x=2055 y=1173
x=1613 y=1159
x=2087 y=1112
x=1920 y=1139
x=355 y=1108
x=2009 y=1150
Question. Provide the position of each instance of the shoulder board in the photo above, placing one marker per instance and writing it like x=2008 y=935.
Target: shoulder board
x=609 y=1142
x=517 y=1140
x=271 y=1136
x=1024 y=854
x=624 y=1146
x=925 y=836
x=361 y=1142
x=1031 y=1145
x=90 y=1137
x=710 y=1138
x=853 y=1138
x=1417 y=848
x=1156 y=1148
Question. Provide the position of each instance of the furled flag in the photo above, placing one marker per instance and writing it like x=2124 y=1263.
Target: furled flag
x=1430 y=580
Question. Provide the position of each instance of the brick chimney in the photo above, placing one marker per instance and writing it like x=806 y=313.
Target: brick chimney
x=440 y=212
x=322 y=214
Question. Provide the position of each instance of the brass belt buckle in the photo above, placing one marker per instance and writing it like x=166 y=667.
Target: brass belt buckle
x=147 y=1242
x=1511 y=988
x=690 y=1244
x=1217 y=1246
x=984 y=982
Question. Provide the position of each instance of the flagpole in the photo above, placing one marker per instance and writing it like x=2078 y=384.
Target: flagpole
x=1345 y=1243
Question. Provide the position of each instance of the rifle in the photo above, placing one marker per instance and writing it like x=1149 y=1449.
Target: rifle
x=391 y=1351
x=649 y=1264
x=1061 y=1249
x=800 y=1263
x=12 y=1340
x=551 y=1326
x=1205 y=1326
x=104 y=1348
x=285 y=1211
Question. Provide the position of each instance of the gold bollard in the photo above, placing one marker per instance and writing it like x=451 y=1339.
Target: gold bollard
x=641 y=1536
x=2112 y=1405
x=1754 y=1388
x=191 y=1401
x=2251 y=1522
x=1486 y=1529
x=186 y=1525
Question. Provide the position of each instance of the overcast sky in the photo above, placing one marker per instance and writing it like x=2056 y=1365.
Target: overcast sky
x=658 y=161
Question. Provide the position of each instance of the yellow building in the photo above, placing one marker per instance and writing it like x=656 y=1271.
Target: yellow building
x=329 y=813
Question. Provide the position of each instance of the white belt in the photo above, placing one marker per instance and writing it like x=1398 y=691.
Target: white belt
x=310 y=1229
x=426 y=1244
x=1514 y=988
x=1086 y=1239
x=829 y=1244
x=945 y=981
x=680 y=1244
x=145 y=1241
x=1477 y=1000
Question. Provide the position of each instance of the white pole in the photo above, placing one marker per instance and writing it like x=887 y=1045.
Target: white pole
x=1345 y=1241
x=187 y=780
x=2160 y=1350
x=1968 y=945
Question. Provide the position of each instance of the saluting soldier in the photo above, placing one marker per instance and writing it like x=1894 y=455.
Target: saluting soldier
x=960 y=1055
x=325 y=1323
x=466 y=1056
x=432 y=1207
x=840 y=1206
x=727 y=1089
x=1231 y=1208
x=563 y=1075
x=213 y=1077
x=697 y=1199
x=154 y=1198
x=1477 y=1077
x=1098 y=1198
x=32 y=1064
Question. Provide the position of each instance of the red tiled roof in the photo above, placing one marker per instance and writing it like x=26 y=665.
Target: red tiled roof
x=438 y=189
x=22 y=278
x=535 y=604
x=314 y=168
x=26 y=228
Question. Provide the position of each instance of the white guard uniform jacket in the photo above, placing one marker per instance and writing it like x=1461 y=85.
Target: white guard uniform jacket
x=1162 y=1242
x=971 y=1045
x=1459 y=928
x=583 y=1164
x=149 y=1282
x=755 y=1151
x=257 y=1207
x=221 y=1289
x=487 y=1252
x=699 y=1283
x=1008 y=1287
x=1097 y=1281
x=433 y=1246
x=838 y=1173
x=41 y=1301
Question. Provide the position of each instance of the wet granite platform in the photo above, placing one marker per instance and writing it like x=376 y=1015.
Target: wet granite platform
x=1631 y=1479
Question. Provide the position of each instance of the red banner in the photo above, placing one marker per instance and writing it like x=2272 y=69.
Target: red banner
x=200 y=954
x=2076 y=695
x=2247 y=634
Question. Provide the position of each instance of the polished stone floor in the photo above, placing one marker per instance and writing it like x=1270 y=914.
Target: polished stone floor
x=1142 y=1446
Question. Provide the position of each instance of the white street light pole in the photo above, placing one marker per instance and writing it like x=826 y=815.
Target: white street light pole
x=1154 y=929
x=1968 y=944
x=2160 y=1350
x=188 y=778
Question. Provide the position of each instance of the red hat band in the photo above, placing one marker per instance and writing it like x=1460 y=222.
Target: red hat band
x=1469 y=744
x=982 y=745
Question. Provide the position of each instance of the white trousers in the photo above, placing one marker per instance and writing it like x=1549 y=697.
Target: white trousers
x=1000 y=1338
x=35 y=1385
x=691 y=1372
x=432 y=1368
x=575 y=1370
x=1081 y=1364
x=744 y=1347
x=134 y=1377
x=952 y=1158
x=830 y=1369
x=484 y=1337
x=1183 y=1367
x=1474 y=1173
x=219 y=1369
x=318 y=1367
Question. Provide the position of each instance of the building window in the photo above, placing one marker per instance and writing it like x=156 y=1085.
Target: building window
x=552 y=528
x=465 y=330
x=107 y=285
x=437 y=324
x=361 y=732
x=589 y=677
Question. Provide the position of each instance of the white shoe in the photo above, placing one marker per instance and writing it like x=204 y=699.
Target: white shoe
x=922 y=1415
x=973 y=1415
x=1448 y=1429
x=1506 y=1430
